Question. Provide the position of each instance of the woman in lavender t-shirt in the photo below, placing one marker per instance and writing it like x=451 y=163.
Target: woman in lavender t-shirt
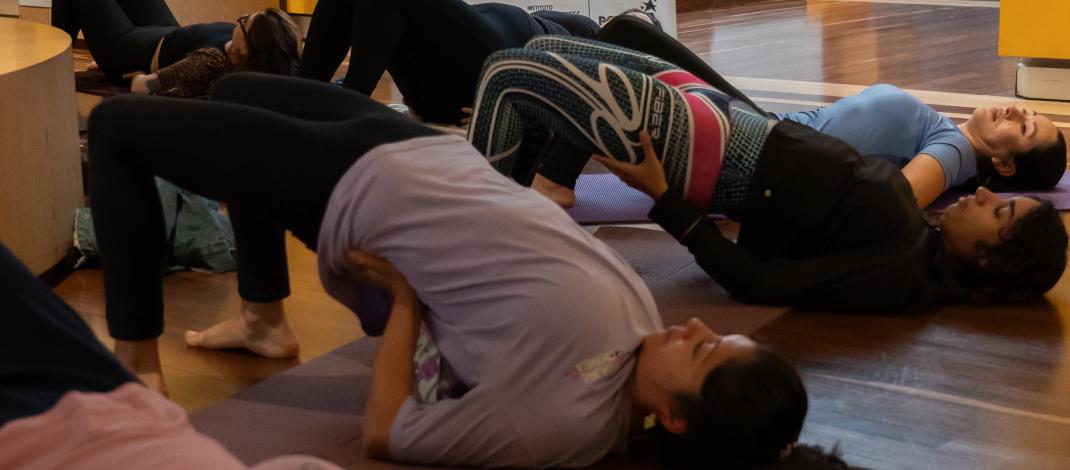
x=556 y=342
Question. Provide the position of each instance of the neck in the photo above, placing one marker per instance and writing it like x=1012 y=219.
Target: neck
x=972 y=139
x=642 y=395
x=637 y=424
x=976 y=145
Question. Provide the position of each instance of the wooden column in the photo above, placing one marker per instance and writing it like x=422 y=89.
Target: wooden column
x=40 y=168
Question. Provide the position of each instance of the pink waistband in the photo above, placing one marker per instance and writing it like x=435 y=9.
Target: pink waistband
x=709 y=138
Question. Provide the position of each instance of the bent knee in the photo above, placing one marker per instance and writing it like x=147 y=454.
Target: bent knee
x=108 y=116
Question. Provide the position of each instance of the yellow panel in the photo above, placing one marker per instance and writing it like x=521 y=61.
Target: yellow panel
x=1034 y=28
x=301 y=7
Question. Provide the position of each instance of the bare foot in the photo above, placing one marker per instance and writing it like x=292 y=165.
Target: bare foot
x=259 y=327
x=143 y=359
x=561 y=195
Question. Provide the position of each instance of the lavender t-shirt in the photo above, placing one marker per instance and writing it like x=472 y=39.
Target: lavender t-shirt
x=536 y=316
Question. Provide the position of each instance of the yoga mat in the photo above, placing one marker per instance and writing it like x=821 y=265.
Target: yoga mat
x=604 y=199
x=316 y=408
x=1059 y=196
x=94 y=82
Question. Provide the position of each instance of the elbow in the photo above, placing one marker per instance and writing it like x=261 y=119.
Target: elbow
x=376 y=440
x=376 y=446
x=746 y=296
x=741 y=291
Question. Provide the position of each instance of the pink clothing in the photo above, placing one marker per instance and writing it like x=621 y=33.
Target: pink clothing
x=710 y=131
x=130 y=427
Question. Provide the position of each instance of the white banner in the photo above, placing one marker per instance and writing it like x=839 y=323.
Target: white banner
x=600 y=10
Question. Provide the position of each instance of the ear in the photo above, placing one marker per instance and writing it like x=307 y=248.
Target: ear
x=671 y=419
x=1003 y=167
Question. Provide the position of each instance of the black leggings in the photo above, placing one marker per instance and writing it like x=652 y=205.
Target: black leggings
x=271 y=147
x=122 y=35
x=564 y=162
x=434 y=49
x=46 y=350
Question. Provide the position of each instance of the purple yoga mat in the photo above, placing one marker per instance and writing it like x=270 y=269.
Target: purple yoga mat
x=316 y=408
x=604 y=199
x=1059 y=196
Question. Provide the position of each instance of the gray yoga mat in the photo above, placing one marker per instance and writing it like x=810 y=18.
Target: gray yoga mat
x=604 y=199
x=316 y=408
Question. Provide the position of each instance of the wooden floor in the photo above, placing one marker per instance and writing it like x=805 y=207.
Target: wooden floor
x=964 y=387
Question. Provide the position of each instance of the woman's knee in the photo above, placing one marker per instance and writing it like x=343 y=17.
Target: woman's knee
x=234 y=86
x=562 y=44
x=543 y=43
x=625 y=29
x=109 y=118
x=517 y=59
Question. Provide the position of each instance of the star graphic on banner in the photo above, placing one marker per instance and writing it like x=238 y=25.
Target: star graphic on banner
x=649 y=6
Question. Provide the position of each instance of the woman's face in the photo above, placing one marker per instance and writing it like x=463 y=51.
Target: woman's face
x=1003 y=133
x=237 y=38
x=983 y=217
x=678 y=359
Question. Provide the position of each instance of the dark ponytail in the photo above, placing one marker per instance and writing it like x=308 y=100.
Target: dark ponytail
x=748 y=413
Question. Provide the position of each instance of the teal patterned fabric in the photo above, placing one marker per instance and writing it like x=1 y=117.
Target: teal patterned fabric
x=749 y=131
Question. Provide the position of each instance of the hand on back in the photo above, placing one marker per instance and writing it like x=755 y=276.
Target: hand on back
x=647 y=176
x=367 y=268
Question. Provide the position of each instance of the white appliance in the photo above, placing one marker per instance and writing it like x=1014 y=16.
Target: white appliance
x=1044 y=81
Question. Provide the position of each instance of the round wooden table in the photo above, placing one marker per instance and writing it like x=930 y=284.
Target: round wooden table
x=40 y=166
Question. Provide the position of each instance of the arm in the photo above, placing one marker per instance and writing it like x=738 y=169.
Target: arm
x=868 y=280
x=876 y=280
x=141 y=84
x=926 y=177
x=392 y=372
x=191 y=76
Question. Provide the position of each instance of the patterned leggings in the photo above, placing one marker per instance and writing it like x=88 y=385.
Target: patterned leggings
x=600 y=97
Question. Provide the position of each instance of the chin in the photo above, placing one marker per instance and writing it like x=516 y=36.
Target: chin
x=979 y=116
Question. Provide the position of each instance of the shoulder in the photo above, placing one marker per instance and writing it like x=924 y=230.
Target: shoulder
x=885 y=90
x=891 y=98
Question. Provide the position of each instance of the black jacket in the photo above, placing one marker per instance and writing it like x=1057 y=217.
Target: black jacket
x=821 y=228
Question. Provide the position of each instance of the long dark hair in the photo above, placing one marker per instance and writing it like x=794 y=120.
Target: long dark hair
x=807 y=457
x=1026 y=264
x=273 y=44
x=749 y=413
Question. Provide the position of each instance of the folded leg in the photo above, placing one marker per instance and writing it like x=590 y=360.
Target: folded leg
x=634 y=33
x=117 y=42
x=601 y=52
x=148 y=12
x=598 y=106
x=277 y=171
